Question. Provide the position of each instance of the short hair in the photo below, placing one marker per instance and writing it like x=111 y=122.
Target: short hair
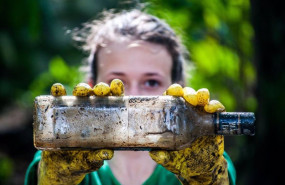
x=134 y=25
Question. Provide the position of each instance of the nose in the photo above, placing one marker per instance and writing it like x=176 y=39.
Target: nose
x=132 y=90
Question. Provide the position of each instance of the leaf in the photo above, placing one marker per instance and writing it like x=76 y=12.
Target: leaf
x=59 y=70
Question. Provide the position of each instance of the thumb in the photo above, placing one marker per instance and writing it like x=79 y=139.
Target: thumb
x=160 y=156
x=103 y=154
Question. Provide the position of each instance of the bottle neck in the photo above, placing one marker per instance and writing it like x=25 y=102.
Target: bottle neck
x=234 y=123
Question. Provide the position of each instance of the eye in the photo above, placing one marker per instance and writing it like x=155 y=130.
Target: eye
x=152 y=83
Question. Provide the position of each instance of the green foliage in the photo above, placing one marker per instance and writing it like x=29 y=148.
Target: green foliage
x=6 y=169
x=59 y=72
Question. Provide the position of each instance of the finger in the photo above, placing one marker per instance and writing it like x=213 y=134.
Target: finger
x=175 y=90
x=57 y=89
x=82 y=89
x=101 y=89
x=117 y=87
x=160 y=156
x=203 y=96
x=103 y=154
x=214 y=106
x=190 y=95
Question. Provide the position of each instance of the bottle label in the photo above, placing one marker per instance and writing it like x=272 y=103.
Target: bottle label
x=234 y=123
x=227 y=124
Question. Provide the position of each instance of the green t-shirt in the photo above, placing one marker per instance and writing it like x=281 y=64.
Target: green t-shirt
x=104 y=175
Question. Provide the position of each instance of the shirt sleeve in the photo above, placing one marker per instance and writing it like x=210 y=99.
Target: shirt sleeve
x=231 y=169
x=31 y=177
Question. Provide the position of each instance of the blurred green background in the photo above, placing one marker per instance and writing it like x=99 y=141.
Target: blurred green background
x=237 y=52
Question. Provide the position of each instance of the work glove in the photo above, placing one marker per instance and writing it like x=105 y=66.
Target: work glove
x=70 y=167
x=203 y=162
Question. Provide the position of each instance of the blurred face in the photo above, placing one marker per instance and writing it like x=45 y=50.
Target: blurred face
x=144 y=68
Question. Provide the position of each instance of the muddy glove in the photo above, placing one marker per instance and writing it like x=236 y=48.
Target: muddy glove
x=203 y=162
x=70 y=167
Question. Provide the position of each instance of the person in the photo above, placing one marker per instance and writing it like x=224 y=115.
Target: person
x=147 y=56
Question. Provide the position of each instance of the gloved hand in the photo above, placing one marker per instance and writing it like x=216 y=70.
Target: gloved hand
x=203 y=162
x=70 y=167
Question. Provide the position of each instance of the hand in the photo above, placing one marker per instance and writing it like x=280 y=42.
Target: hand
x=70 y=167
x=203 y=162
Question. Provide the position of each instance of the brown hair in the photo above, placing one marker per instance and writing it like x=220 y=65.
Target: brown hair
x=134 y=25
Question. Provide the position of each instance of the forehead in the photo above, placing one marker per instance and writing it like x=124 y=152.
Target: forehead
x=127 y=45
x=134 y=56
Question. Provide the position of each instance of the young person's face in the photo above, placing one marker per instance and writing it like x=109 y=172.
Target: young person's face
x=144 y=68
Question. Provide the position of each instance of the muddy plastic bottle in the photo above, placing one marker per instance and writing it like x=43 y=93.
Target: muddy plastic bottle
x=129 y=123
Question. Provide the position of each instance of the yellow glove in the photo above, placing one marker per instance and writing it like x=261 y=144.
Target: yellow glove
x=70 y=167
x=203 y=162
